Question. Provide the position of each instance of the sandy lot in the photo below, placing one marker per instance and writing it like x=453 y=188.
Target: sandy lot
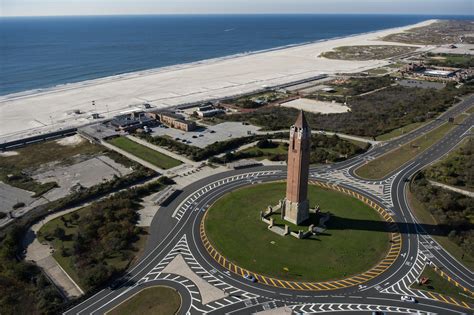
x=87 y=173
x=314 y=106
x=32 y=113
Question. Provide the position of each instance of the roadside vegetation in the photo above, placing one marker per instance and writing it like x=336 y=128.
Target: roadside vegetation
x=324 y=149
x=440 y=285
x=100 y=240
x=457 y=169
x=391 y=161
x=400 y=131
x=24 y=288
x=371 y=114
x=258 y=100
x=447 y=216
x=154 y=157
x=367 y=52
x=155 y=300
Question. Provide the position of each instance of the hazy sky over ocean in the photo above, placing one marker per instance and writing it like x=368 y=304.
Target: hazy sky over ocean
x=105 y=7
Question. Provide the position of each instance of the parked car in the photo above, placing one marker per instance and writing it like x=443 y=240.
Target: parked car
x=250 y=278
x=408 y=299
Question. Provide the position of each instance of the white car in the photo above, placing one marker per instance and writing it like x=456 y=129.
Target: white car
x=250 y=278
x=406 y=298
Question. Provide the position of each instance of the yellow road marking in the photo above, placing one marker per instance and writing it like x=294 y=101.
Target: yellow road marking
x=433 y=296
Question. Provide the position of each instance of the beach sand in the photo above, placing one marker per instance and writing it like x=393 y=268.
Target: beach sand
x=32 y=113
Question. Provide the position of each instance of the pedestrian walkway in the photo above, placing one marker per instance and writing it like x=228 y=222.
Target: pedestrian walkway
x=452 y=188
x=41 y=254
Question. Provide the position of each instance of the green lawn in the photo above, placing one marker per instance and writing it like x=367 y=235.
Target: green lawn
x=356 y=237
x=391 y=161
x=442 y=286
x=400 y=131
x=150 y=301
x=268 y=152
x=66 y=262
x=154 y=157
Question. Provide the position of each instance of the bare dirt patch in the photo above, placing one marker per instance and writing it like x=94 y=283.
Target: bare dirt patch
x=315 y=106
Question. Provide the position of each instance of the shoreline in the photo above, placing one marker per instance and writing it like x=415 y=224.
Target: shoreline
x=290 y=63
x=61 y=86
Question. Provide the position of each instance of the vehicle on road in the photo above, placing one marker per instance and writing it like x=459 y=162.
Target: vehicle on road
x=408 y=299
x=250 y=278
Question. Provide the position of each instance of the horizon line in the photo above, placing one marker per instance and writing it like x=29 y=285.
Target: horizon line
x=222 y=14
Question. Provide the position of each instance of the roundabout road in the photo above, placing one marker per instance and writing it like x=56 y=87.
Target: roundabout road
x=175 y=230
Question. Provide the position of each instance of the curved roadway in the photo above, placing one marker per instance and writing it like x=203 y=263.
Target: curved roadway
x=175 y=231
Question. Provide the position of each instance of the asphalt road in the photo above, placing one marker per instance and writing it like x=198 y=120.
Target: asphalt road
x=175 y=230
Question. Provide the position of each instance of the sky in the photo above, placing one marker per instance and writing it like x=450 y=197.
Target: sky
x=107 y=7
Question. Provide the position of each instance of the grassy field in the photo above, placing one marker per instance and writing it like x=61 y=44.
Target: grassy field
x=442 y=286
x=70 y=229
x=470 y=110
x=154 y=157
x=31 y=157
x=155 y=300
x=268 y=152
x=424 y=216
x=391 y=161
x=233 y=226
x=400 y=131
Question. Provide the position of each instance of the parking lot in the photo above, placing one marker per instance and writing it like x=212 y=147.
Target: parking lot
x=202 y=137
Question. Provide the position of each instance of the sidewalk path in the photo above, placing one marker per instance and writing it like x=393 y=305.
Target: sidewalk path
x=41 y=254
x=452 y=188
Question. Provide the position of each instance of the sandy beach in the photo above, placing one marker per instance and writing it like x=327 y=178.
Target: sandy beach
x=32 y=113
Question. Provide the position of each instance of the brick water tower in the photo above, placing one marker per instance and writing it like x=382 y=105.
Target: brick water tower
x=295 y=207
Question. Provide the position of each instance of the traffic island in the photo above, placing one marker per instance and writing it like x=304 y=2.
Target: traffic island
x=358 y=244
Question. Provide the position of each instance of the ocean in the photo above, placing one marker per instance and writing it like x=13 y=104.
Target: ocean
x=41 y=52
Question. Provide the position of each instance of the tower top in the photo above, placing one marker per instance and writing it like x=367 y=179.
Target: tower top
x=301 y=121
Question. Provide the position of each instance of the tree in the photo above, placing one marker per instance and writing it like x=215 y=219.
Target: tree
x=59 y=233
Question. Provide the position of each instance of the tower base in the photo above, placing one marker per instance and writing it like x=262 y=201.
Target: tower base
x=295 y=212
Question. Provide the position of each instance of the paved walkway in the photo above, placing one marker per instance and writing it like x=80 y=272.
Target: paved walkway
x=327 y=133
x=41 y=254
x=452 y=188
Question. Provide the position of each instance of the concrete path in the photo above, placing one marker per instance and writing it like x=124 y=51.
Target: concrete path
x=327 y=133
x=452 y=188
x=133 y=157
x=41 y=254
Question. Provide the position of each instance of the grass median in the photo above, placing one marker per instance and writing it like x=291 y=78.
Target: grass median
x=391 y=161
x=440 y=285
x=155 y=300
x=154 y=157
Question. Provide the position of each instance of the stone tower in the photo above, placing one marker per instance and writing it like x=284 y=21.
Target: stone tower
x=296 y=204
